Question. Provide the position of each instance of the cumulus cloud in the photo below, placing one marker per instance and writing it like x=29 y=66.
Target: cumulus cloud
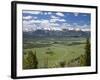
x=35 y=24
x=54 y=24
x=76 y=14
x=49 y=13
x=27 y=17
x=35 y=21
x=86 y=26
x=59 y=14
x=46 y=13
x=54 y=17
x=64 y=25
x=55 y=20
x=82 y=27
x=50 y=21
x=32 y=12
x=29 y=27
x=34 y=17
x=62 y=20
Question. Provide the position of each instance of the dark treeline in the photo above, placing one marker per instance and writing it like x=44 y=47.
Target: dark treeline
x=88 y=52
x=83 y=60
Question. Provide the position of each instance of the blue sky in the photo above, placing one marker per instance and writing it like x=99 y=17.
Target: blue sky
x=33 y=20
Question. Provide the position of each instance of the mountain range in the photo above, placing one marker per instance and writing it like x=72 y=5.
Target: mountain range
x=56 y=33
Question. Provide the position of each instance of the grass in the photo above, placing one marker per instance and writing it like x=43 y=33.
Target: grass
x=54 y=51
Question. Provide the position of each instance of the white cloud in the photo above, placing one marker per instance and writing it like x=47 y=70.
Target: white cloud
x=26 y=22
x=34 y=17
x=44 y=21
x=54 y=24
x=39 y=24
x=35 y=21
x=45 y=24
x=49 y=12
x=45 y=13
x=31 y=25
x=58 y=28
x=80 y=26
x=54 y=17
x=35 y=24
x=60 y=14
x=32 y=12
x=86 y=30
x=65 y=25
x=86 y=26
x=54 y=20
x=62 y=20
x=28 y=27
x=27 y=17
x=76 y=14
x=85 y=15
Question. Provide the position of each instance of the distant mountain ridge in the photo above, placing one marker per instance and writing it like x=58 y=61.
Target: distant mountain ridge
x=56 y=33
x=56 y=29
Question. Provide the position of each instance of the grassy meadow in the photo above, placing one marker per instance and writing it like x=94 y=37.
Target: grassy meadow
x=55 y=52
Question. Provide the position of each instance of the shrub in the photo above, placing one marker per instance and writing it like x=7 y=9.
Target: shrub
x=31 y=60
x=62 y=63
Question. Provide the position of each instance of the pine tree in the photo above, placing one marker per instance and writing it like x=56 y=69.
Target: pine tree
x=35 y=60
x=62 y=63
x=88 y=53
x=46 y=61
x=32 y=60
